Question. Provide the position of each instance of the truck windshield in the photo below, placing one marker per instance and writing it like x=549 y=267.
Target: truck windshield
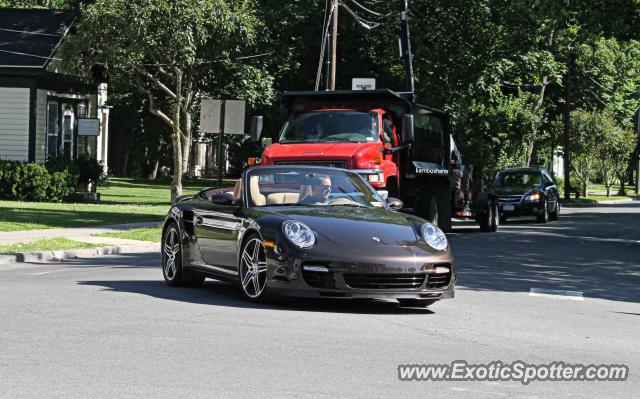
x=331 y=126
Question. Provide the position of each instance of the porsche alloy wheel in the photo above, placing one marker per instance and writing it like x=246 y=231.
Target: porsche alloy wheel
x=172 y=269
x=170 y=255
x=253 y=269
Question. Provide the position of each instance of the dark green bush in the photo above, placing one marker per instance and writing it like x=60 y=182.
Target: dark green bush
x=32 y=182
x=84 y=170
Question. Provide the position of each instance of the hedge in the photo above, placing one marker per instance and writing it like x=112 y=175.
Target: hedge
x=32 y=182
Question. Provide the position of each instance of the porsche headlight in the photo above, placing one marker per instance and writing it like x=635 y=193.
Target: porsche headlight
x=298 y=233
x=434 y=237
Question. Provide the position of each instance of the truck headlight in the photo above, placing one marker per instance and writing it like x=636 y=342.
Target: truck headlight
x=298 y=233
x=377 y=178
x=434 y=237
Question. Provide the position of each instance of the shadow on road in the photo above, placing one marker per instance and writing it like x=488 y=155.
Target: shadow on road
x=594 y=251
x=220 y=293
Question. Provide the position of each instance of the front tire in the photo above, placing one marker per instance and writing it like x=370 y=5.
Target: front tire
x=544 y=217
x=253 y=269
x=427 y=208
x=555 y=215
x=172 y=270
x=490 y=220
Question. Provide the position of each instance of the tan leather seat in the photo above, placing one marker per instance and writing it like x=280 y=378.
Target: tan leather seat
x=254 y=188
x=282 y=198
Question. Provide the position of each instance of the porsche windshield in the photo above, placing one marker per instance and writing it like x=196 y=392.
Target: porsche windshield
x=331 y=126
x=309 y=187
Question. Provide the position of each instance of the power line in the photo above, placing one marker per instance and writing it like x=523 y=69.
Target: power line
x=30 y=32
x=369 y=25
x=30 y=55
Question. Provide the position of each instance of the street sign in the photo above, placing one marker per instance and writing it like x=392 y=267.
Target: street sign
x=88 y=127
x=363 y=84
x=210 y=115
x=234 y=114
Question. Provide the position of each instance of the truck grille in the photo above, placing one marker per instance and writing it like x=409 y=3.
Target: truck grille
x=510 y=198
x=332 y=164
x=385 y=281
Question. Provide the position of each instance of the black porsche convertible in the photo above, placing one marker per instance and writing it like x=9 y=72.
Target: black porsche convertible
x=306 y=232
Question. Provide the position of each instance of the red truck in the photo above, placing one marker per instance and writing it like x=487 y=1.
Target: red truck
x=403 y=149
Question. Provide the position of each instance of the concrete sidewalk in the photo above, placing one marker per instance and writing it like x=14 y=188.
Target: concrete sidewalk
x=78 y=234
x=108 y=245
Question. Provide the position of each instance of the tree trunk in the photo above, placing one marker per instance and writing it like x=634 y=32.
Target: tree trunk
x=176 y=182
x=125 y=164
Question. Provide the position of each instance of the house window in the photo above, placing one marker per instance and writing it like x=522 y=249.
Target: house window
x=53 y=130
x=62 y=138
x=68 y=129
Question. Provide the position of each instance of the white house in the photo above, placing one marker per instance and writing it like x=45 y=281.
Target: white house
x=45 y=113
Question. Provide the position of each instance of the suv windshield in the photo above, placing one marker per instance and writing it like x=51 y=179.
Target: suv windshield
x=291 y=186
x=331 y=126
x=518 y=180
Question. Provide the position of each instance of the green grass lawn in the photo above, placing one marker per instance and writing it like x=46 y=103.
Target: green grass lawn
x=54 y=244
x=123 y=201
x=147 y=234
x=597 y=192
x=136 y=191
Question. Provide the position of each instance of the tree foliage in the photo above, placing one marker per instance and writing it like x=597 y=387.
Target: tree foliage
x=171 y=51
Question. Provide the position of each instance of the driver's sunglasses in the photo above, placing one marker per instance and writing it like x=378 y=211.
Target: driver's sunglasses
x=324 y=186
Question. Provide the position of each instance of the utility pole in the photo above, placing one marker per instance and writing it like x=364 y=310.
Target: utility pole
x=567 y=128
x=334 y=44
x=327 y=69
x=406 y=47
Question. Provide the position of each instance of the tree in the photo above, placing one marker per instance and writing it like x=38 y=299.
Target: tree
x=613 y=151
x=168 y=50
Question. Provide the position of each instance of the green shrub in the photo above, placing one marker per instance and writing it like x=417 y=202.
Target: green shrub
x=32 y=182
x=84 y=170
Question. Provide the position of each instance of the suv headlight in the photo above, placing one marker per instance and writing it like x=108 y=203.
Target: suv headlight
x=533 y=197
x=298 y=233
x=434 y=237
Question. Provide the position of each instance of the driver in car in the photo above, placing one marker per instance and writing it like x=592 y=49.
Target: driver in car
x=320 y=191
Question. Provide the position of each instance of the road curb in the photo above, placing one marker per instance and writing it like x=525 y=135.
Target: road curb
x=57 y=256
x=594 y=203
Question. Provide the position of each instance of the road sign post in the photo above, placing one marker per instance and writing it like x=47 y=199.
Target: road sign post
x=222 y=117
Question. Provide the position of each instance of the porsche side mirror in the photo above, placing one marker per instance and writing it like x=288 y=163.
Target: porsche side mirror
x=223 y=198
x=257 y=123
x=407 y=129
x=395 y=204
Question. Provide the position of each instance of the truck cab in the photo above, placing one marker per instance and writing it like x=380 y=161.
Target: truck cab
x=350 y=138
x=403 y=149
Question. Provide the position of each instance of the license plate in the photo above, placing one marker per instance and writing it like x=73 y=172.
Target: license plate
x=508 y=208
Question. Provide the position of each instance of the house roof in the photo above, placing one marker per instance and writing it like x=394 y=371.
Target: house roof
x=29 y=37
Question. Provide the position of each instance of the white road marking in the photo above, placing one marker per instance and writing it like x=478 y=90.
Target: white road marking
x=557 y=294
x=52 y=271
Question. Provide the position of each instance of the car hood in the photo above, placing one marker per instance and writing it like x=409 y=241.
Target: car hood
x=355 y=226
x=317 y=151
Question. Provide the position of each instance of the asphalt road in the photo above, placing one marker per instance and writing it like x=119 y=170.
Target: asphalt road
x=109 y=327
